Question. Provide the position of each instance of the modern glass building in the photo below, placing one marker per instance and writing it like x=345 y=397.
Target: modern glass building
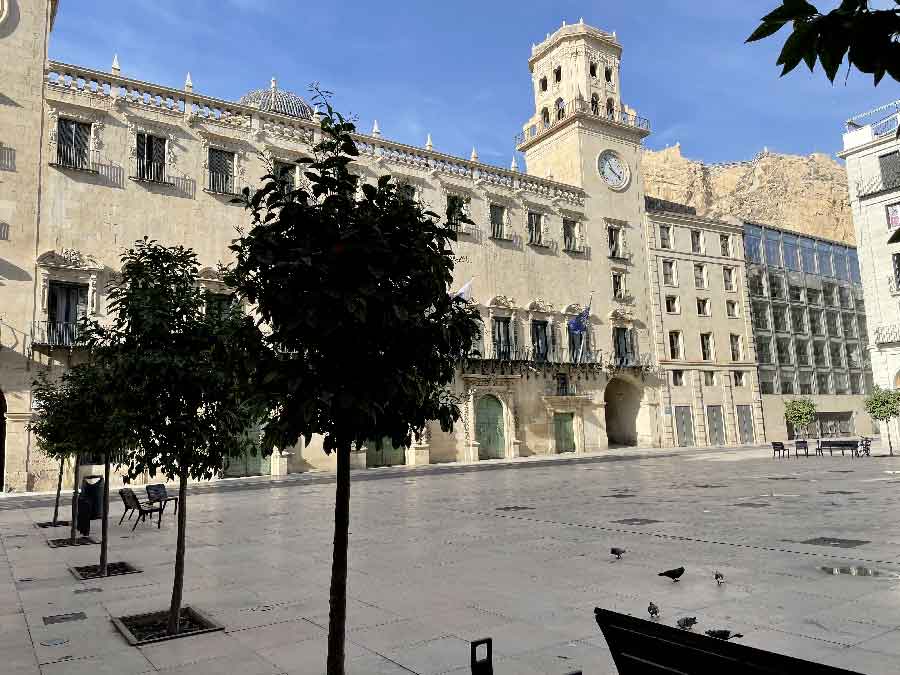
x=809 y=327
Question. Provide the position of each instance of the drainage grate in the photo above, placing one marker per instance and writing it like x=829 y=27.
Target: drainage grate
x=55 y=642
x=79 y=591
x=637 y=521
x=617 y=496
x=59 y=523
x=63 y=618
x=515 y=508
x=855 y=571
x=707 y=486
x=113 y=569
x=752 y=505
x=781 y=477
x=840 y=492
x=80 y=541
x=835 y=542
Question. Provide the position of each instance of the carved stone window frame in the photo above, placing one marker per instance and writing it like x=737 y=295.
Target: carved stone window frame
x=151 y=127
x=72 y=267
x=73 y=111
x=503 y=388
x=509 y=203
x=236 y=146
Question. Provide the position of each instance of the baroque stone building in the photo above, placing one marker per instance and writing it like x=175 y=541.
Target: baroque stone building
x=91 y=161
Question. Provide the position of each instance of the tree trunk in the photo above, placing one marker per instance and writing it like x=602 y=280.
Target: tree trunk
x=887 y=428
x=104 y=527
x=178 y=585
x=73 y=530
x=62 y=467
x=337 y=618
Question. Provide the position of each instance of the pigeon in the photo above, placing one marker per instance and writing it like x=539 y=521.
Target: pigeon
x=719 y=577
x=723 y=634
x=672 y=574
x=653 y=610
x=618 y=552
x=687 y=623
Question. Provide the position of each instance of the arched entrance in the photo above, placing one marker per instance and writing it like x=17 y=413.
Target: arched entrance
x=489 y=428
x=623 y=402
x=2 y=441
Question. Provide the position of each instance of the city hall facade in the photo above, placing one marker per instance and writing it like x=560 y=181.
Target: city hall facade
x=90 y=161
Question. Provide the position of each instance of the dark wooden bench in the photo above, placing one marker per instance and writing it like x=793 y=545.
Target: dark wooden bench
x=641 y=647
x=144 y=509
x=157 y=494
x=842 y=444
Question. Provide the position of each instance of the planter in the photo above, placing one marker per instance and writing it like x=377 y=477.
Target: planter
x=113 y=569
x=150 y=628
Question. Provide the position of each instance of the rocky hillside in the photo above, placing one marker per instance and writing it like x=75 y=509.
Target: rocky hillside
x=805 y=194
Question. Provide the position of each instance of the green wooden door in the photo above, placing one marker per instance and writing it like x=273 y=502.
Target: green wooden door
x=386 y=455
x=249 y=465
x=489 y=428
x=564 y=431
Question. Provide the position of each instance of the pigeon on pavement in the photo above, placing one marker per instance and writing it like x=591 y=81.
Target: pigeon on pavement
x=687 y=623
x=618 y=552
x=720 y=578
x=653 y=610
x=723 y=634
x=672 y=574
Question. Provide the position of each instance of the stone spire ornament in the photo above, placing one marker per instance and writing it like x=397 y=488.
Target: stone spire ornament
x=514 y=165
x=188 y=82
x=428 y=144
x=115 y=65
x=274 y=86
x=474 y=156
x=375 y=130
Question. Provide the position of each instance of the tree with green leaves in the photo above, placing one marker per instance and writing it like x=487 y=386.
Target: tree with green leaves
x=351 y=280
x=183 y=377
x=883 y=405
x=867 y=38
x=800 y=413
x=75 y=417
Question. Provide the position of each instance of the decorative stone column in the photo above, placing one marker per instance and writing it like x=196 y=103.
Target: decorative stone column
x=419 y=452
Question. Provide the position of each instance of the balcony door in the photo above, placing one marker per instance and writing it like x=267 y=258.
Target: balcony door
x=66 y=305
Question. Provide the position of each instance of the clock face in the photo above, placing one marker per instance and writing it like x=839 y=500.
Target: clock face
x=613 y=170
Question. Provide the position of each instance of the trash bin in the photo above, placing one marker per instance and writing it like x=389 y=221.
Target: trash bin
x=84 y=515
x=92 y=489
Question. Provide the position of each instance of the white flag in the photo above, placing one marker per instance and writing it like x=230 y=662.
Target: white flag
x=465 y=292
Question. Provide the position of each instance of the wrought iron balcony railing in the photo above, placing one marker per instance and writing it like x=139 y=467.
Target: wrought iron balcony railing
x=80 y=159
x=887 y=334
x=221 y=183
x=882 y=183
x=560 y=355
x=57 y=334
x=894 y=284
x=151 y=172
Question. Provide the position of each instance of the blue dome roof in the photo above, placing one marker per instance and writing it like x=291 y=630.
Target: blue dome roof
x=277 y=100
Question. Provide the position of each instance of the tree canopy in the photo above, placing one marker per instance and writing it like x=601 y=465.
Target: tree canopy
x=800 y=413
x=867 y=38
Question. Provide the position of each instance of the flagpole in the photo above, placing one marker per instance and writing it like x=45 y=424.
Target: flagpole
x=581 y=343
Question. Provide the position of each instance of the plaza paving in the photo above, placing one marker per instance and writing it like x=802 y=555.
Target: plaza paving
x=444 y=555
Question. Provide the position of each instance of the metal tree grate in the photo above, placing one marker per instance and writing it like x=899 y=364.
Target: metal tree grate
x=835 y=542
x=515 y=508
x=637 y=521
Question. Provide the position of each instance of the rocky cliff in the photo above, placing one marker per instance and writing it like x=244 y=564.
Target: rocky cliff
x=804 y=194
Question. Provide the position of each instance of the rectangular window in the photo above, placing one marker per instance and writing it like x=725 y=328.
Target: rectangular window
x=562 y=385
x=828 y=293
x=624 y=346
x=853 y=264
x=845 y=297
x=847 y=324
x=760 y=315
x=813 y=296
x=286 y=175
x=839 y=380
x=819 y=356
x=889 y=163
x=807 y=256
x=457 y=210
x=815 y=322
x=823 y=255
x=498 y=221
x=755 y=282
x=540 y=346
x=791 y=252
x=535 y=228
x=675 y=345
x=67 y=304
x=836 y=354
x=616 y=248
x=706 y=346
x=795 y=293
x=703 y=307
x=840 y=263
x=73 y=144
x=700 y=276
x=665 y=236
x=151 y=158
x=783 y=347
x=831 y=322
x=672 y=304
x=221 y=172
x=786 y=379
x=579 y=346
x=501 y=338
x=764 y=350
x=738 y=377
x=752 y=244
x=863 y=329
x=736 y=350
x=804 y=382
x=801 y=352
x=725 y=245
x=618 y=285
x=670 y=276
x=823 y=383
x=798 y=319
x=767 y=381
x=853 y=358
x=407 y=192
x=709 y=378
x=728 y=278
x=773 y=248
x=731 y=309
x=856 y=386
x=696 y=241
x=776 y=286
x=677 y=378
x=570 y=234
x=779 y=318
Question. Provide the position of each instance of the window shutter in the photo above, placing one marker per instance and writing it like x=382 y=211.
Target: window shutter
x=545 y=229
x=158 y=150
x=82 y=143
x=890 y=165
x=141 y=147
x=65 y=135
x=82 y=302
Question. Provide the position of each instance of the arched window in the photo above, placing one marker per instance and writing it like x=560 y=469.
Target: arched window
x=560 y=109
x=557 y=74
x=593 y=69
x=595 y=104
x=543 y=84
x=610 y=108
x=608 y=73
x=545 y=117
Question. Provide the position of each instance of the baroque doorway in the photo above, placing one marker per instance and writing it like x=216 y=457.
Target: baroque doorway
x=489 y=430
x=623 y=402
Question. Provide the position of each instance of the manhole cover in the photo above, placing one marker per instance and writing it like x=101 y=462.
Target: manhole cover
x=854 y=571
x=752 y=505
x=55 y=642
x=62 y=618
x=840 y=492
x=515 y=508
x=835 y=542
x=637 y=521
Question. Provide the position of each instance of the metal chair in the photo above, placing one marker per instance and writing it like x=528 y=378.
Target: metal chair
x=132 y=504
x=156 y=493
x=778 y=449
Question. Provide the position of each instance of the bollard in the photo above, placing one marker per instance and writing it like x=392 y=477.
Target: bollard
x=486 y=665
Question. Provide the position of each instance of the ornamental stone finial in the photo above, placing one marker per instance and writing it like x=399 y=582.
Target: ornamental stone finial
x=274 y=84
x=474 y=156
x=188 y=83
x=428 y=144
x=581 y=20
x=375 y=130
x=115 y=65
x=514 y=165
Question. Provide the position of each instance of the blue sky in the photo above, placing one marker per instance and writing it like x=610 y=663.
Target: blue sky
x=458 y=69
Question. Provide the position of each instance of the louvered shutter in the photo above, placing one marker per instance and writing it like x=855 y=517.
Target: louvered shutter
x=82 y=144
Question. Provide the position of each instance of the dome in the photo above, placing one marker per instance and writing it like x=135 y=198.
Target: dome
x=277 y=100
